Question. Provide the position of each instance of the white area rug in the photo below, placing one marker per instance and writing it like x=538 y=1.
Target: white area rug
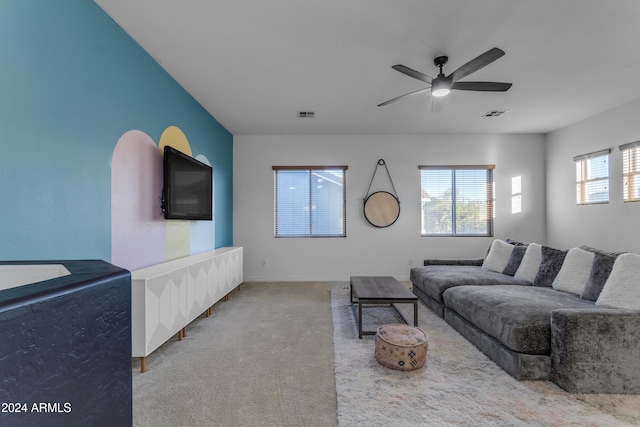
x=458 y=386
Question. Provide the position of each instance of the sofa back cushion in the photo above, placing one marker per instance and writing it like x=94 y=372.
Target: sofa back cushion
x=550 y=265
x=498 y=256
x=575 y=271
x=600 y=271
x=601 y=268
x=530 y=263
x=515 y=260
x=622 y=289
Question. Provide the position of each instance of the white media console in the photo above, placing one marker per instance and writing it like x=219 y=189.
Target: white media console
x=166 y=297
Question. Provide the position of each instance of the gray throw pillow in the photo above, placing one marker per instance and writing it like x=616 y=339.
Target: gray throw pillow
x=600 y=251
x=550 y=265
x=514 y=242
x=600 y=270
x=514 y=261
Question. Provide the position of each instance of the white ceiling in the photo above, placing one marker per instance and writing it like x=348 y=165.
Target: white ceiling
x=254 y=63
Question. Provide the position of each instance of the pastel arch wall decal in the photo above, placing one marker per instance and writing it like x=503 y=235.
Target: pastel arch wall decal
x=140 y=236
x=178 y=232
x=138 y=232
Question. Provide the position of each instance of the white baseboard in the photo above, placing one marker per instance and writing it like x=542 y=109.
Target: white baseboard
x=309 y=279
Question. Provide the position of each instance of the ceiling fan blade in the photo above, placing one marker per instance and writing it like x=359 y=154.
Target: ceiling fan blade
x=482 y=86
x=475 y=64
x=406 y=95
x=412 y=73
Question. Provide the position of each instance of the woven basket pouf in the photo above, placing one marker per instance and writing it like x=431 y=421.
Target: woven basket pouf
x=401 y=347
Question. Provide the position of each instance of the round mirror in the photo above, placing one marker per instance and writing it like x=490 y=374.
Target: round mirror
x=381 y=209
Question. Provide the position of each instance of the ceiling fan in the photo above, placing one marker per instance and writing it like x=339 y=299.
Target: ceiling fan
x=442 y=85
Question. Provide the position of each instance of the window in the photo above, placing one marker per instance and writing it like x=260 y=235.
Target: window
x=310 y=201
x=592 y=177
x=457 y=200
x=631 y=171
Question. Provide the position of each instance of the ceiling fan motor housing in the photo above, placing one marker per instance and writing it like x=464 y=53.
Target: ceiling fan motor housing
x=440 y=61
x=439 y=81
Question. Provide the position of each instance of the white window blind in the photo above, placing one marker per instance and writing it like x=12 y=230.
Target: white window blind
x=631 y=171
x=457 y=200
x=592 y=177
x=310 y=201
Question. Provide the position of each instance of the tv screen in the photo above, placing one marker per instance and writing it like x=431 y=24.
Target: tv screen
x=187 y=187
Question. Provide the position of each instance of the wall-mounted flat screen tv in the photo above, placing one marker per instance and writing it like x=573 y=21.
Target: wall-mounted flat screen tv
x=187 y=187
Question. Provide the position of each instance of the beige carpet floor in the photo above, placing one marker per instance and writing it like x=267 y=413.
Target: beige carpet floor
x=265 y=358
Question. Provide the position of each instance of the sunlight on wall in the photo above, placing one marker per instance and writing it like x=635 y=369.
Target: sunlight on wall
x=493 y=199
x=516 y=194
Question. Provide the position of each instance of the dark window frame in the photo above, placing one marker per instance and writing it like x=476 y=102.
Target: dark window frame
x=310 y=230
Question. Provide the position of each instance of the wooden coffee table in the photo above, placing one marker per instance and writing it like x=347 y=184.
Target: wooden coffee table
x=376 y=290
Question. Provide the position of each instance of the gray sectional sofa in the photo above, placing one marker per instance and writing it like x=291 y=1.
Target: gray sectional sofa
x=571 y=317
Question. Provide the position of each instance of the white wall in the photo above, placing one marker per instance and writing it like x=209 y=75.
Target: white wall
x=614 y=226
x=368 y=250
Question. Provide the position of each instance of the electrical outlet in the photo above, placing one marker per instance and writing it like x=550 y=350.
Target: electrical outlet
x=264 y=262
x=410 y=262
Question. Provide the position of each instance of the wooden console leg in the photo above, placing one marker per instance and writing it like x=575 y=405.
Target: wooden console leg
x=184 y=332
x=226 y=297
x=180 y=335
x=143 y=364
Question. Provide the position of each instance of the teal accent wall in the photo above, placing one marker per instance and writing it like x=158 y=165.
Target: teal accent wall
x=71 y=83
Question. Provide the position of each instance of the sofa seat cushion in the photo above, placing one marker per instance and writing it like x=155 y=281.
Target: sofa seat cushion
x=435 y=279
x=519 y=317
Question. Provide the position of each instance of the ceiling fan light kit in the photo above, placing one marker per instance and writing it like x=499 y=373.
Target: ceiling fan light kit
x=440 y=88
x=442 y=85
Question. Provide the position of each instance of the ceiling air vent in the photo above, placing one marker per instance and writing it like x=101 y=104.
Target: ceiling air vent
x=495 y=113
x=309 y=114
